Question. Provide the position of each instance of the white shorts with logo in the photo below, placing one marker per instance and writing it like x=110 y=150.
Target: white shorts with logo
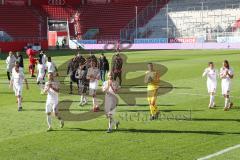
x=211 y=86
x=17 y=89
x=52 y=105
x=226 y=87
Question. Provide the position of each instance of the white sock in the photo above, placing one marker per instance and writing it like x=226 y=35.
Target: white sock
x=84 y=98
x=227 y=102
x=212 y=97
x=111 y=123
x=95 y=103
x=49 y=120
x=81 y=100
x=19 y=102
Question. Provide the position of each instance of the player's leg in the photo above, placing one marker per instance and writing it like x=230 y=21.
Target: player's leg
x=226 y=104
x=48 y=114
x=32 y=68
x=154 y=104
x=18 y=94
x=84 y=94
x=211 y=100
x=42 y=84
x=71 y=85
x=19 y=98
x=152 y=98
x=56 y=113
x=120 y=78
x=8 y=75
x=49 y=121
x=226 y=93
x=111 y=123
x=95 y=102
x=149 y=97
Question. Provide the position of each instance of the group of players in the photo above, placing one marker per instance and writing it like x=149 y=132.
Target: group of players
x=226 y=75
x=86 y=72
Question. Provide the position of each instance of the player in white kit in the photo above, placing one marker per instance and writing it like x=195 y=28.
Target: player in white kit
x=16 y=83
x=226 y=74
x=51 y=67
x=10 y=61
x=43 y=58
x=41 y=75
x=110 y=88
x=93 y=75
x=211 y=74
x=52 y=90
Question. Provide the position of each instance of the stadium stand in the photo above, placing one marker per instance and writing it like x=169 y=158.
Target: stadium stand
x=192 y=18
x=20 y=22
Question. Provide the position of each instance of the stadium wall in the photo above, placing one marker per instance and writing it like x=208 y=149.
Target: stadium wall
x=19 y=45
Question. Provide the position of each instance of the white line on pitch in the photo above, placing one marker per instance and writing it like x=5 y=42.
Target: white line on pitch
x=220 y=152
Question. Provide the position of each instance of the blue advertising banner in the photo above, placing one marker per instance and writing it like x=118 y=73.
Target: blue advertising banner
x=87 y=41
x=151 y=40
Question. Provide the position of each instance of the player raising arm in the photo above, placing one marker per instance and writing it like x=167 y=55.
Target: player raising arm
x=211 y=74
x=52 y=90
x=152 y=78
x=16 y=83
x=93 y=74
x=226 y=74
x=110 y=87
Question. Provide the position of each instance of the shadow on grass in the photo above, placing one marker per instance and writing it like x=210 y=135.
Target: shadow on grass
x=147 y=110
x=149 y=131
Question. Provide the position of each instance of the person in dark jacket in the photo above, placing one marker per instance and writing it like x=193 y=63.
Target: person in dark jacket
x=20 y=59
x=72 y=68
x=71 y=72
x=103 y=66
x=117 y=68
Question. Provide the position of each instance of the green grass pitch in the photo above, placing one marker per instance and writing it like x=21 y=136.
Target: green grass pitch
x=186 y=130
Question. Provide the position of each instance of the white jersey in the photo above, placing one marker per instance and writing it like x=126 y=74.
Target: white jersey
x=112 y=89
x=51 y=67
x=17 y=81
x=226 y=80
x=211 y=75
x=95 y=73
x=17 y=77
x=44 y=59
x=41 y=72
x=41 y=69
x=51 y=94
x=223 y=74
x=10 y=61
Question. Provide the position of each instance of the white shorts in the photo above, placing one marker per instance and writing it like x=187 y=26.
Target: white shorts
x=52 y=106
x=212 y=87
x=226 y=87
x=17 y=89
x=40 y=78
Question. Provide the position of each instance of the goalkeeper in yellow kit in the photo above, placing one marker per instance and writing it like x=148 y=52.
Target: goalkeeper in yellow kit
x=152 y=79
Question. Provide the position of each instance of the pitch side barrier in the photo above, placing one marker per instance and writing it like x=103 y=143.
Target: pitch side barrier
x=156 y=44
